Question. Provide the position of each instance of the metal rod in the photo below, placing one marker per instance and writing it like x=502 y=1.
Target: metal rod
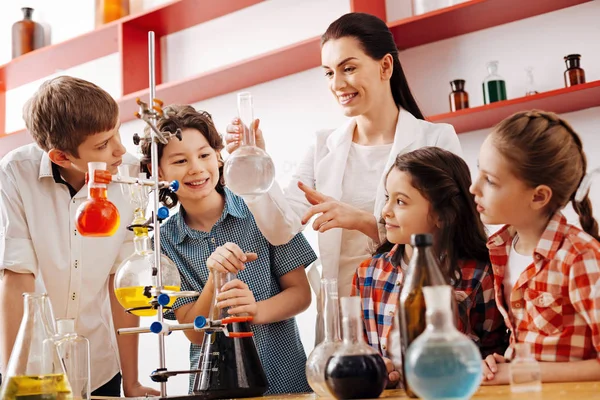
x=155 y=192
x=134 y=331
x=144 y=182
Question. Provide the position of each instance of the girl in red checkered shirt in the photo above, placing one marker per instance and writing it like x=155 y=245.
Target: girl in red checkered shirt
x=530 y=168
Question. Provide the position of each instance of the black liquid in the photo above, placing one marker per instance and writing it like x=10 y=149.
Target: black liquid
x=231 y=368
x=356 y=377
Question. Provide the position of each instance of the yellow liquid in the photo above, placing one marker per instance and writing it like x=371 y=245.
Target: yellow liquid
x=37 y=387
x=133 y=297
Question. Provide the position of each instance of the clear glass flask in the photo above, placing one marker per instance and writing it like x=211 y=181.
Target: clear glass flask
x=530 y=86
x=356 y=370
x=317 y=360
x=524 y=371
x=35 y=370
x=249 y=170
x=74 y=351
x=97 y=216
x=494 y=86
x=442 y=363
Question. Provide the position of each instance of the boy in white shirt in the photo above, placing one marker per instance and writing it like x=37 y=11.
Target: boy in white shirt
x=73 y=122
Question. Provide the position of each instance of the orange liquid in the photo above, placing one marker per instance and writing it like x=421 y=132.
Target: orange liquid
x=97 y=217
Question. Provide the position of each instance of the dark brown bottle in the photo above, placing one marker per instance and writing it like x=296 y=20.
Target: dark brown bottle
x=574 y=75
x=423 y=270
x=459 y=99
x=27 y=35
x=110 y=10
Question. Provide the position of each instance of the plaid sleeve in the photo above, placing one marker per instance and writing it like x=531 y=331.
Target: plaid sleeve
x=583 y=275
x=295 y=253
x=486 y=321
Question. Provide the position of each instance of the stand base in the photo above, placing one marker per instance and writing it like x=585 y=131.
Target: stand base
x=220 y=394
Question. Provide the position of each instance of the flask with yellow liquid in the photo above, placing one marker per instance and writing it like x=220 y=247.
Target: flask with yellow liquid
x=34 y=370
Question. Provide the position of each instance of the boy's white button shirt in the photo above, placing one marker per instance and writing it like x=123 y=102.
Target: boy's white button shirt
x=38 y=236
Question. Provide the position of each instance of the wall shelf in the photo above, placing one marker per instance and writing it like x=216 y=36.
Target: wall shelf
x=560 y=101
x=128 y=37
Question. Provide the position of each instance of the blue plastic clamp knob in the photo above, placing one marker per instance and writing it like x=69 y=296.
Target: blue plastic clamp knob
x=199 y=322
x=163 y=212
x=174 y=186
x=163 y=299
x=156 y=327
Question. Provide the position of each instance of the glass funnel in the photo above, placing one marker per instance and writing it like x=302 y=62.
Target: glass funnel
x=35 y=370
x=442 y=363
x=97 y=216
x=249 y=171
x=317 y=360
x=356 y=370
x=229 y=367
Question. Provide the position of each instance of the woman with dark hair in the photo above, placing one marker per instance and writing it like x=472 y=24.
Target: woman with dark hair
x=341 y=176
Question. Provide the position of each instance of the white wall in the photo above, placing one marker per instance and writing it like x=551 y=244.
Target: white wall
x=292 y=108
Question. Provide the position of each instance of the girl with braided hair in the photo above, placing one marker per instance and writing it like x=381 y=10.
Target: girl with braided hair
x=530 y=168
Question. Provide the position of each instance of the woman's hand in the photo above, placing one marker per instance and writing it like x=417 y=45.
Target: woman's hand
x=236 y=295
x=233 y=135
x=491 y=368
x=336 y=214
x=229 y=258
x=393 y=375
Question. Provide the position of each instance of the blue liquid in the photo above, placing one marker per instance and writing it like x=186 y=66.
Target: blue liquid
x=444 y=371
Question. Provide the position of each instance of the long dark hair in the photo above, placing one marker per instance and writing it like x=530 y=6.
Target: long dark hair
x=443 y=178
x=376 y=41
x=178 y=116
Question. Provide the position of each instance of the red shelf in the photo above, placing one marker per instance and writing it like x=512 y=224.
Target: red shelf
x=559 y=101
x=469 y=17
x=263 y=68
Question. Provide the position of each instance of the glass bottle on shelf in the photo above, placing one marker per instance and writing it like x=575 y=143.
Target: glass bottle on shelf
x=530 y=87
x=110 y=10
x=442 y=363
x=27 y=35
x=35 y=370
x=459 y=99
x=524 y=371
x=356 y=370
x=74 y=350
x=574 y=74
x=317 y=360
x=97 y=216
x=423 y=270
x=229 y=367
x=425 y=6
x=249 y=170
x=494 y=87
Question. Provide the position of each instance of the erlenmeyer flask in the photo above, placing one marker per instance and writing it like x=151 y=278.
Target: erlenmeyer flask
x=356 y=370
x=229 y=367
x=317 y=361
x=97 y=216
x=442 y=356
x=34 y=369
x=249 y=170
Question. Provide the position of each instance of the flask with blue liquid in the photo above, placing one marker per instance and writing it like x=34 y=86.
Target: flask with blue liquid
x=442 y=363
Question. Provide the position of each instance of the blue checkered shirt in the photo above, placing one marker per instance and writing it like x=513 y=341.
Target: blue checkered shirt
x=278 y=344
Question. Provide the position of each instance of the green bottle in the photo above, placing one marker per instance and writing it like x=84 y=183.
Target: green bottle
x=494 y=87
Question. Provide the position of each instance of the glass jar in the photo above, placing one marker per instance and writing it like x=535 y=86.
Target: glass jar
x=110 y=10
x=574 y=74
x=494 y=86
x=74 y=350
x=317 y=360
x=442 y=363
x=524 y=371
x=248 y=171
x=27 y=35
x=459 y=99
x=356 y=370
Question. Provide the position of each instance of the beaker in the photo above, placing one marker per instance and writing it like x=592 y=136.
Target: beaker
x=97 y=216
x=249 y=170
x=356 y=370
x=229 y=367
x=34 y=369
x=317 y=360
